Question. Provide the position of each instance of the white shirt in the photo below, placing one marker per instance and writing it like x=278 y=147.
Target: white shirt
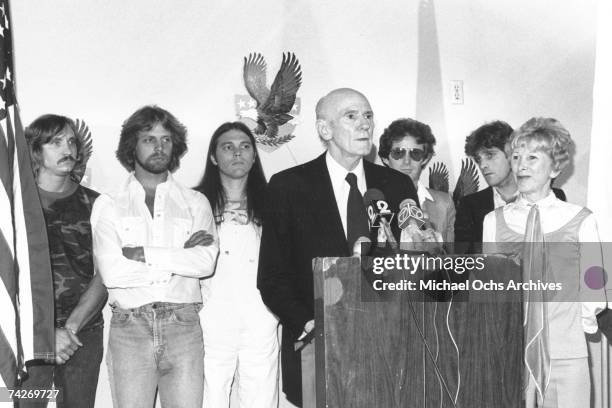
x=337 y=175
x=498 y=201
x=423 y=194
x=554 y=214
x=171 y=273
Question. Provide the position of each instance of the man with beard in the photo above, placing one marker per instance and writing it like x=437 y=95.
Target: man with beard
x=59 y=155
x=153 y=240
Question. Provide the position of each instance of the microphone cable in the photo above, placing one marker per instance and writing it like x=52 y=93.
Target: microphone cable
x=431 y=356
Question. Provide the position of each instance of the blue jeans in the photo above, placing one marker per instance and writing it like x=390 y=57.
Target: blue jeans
x=158 y=345
x=76 y=380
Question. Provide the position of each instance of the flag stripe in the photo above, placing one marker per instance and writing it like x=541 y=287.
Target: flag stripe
x=5 y=175
x=7 y=319
x=26 y=292
x=8 y=364
x=38 y=326
x=6 y=222
x=7 y=270
x=8 y=328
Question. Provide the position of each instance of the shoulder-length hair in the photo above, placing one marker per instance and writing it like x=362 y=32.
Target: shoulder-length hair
x=211 y=185
x=145 y=119
x=42 y=130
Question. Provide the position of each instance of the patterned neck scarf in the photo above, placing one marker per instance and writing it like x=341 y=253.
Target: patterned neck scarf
x=535 y=323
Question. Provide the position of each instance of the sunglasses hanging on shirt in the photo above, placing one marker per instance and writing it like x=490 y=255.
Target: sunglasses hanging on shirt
x=415 y=154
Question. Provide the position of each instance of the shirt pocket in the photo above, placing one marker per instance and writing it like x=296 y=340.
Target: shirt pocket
x=181 y=231
x=133 y=231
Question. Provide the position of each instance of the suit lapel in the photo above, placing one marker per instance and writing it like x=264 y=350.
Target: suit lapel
x=373 y=178
x=434 y=210
x=325 y=202
x=489 y=204
x=430 y=207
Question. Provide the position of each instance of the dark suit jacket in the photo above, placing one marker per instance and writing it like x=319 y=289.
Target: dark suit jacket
x=302 y=222
x=470 y=215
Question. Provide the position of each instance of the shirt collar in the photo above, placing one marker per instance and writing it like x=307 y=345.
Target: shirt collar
x=498 y=197
x=423 y=193
x=337 y=173
x=133 y=185
x=546 y=202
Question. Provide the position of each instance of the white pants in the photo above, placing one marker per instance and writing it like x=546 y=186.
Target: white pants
x=246 y=346
x=240 y=333
x=569 y=385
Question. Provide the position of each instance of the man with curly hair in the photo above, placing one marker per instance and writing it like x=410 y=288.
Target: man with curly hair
x=407 y=145
x=153 y=241
x=487 y=147
x=59 y=155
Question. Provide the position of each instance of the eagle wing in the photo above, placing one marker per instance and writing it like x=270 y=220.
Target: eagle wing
x=283 y=90
x=83 y=134
x=467 y=183
x=254 y=74
x=438 y=177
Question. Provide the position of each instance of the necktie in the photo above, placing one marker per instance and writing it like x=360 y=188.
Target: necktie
x=535 y=323
x=356 y=216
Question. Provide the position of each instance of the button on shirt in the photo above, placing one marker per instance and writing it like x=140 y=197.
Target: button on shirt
x=337 y=175
x=171 y=272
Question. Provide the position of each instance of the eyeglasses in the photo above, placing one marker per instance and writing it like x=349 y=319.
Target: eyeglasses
x=415 y=154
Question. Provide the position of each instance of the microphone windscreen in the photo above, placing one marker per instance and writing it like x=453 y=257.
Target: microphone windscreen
x=409 y=211
x=406 y=202
x=372 y=194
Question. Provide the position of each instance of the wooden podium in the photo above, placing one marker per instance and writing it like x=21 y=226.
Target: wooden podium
x=369 y=352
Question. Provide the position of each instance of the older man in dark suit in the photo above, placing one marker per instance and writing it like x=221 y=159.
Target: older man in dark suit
x=310 y=216
x=486 y=145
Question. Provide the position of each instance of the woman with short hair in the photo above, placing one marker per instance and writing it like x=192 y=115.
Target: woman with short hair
x=559 y=243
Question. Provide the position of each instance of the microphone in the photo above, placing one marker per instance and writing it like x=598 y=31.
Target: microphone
x=410 y=214
x=379 y=216
x=377 y=208
x=417 y=232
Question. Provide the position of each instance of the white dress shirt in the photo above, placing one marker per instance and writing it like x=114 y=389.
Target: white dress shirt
x=498 y=200
x=337 y=175
x=171 y=272
x=554 y=214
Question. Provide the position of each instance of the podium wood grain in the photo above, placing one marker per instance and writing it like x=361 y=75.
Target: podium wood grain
x=370 y=354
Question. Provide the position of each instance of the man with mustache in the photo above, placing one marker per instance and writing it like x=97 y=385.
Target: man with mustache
x=59 y=154
x=153 y=241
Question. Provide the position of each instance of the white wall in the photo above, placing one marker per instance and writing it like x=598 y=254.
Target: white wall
x=101 y=60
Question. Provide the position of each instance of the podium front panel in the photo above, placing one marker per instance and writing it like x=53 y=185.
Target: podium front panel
x=371 y=353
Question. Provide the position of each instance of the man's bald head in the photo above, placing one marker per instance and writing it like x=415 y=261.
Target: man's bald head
x=327 y=105
x=345 y=123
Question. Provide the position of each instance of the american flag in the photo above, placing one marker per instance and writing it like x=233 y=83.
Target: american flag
x=26 y=287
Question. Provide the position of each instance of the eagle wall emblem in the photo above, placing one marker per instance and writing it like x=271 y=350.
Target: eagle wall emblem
x=270 y=113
